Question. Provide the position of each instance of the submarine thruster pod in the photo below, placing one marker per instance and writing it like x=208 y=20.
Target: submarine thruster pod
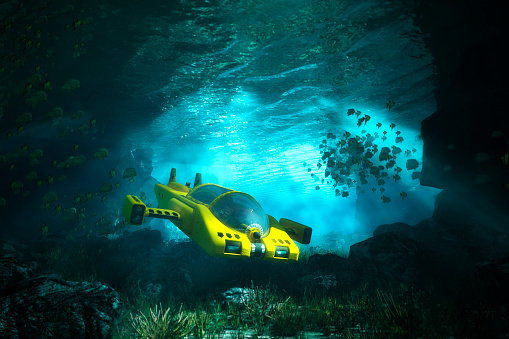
x=223 y=222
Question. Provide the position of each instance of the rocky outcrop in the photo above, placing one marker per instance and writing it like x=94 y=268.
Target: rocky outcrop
x=36 y=306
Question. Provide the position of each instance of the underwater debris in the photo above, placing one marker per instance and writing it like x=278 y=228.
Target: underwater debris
x=129 y=173
x=100 y=153
x=24 y=118
x=31 y=176
x=44 y=229
x=49 y=197
x=412 y=164
x=54 y=113
x=482 y=157
x=47 y=86
x=416 y=175
x=390 y=164
x=505 y=159
x=106 y=187
x=77 y=160
x=76 y=115
x=70 y=85
x=36 y=98
x=384 y=154
x=36 y=154
x=496 y=134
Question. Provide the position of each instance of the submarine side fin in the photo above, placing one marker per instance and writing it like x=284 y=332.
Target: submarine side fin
x=298 y=232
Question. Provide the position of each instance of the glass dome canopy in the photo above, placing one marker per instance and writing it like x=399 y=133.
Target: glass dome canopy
x=240 y=212
x=206 y=193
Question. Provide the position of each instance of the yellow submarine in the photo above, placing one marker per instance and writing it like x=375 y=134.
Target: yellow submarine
x=223 y=222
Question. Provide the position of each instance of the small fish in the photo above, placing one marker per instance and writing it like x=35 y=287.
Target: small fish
x=76 y=147
x=403 y=195
x=358 y=113
x=384 y=138
x=408 y=152
x=44 y=229
x=392 y=125
x=347 y=135
x=344 y=194
x=373 y=189
x=396 y=177
x=366 y=119
x=384 y=132
x=378 y=125
x=385 y=199
x=350 y=111
x=382 y=190
x=505 y=159
x=359 y=122
x=398 y=133
x=390 y=104
x=77 y=200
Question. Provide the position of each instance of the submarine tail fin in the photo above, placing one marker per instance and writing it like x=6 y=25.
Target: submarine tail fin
x=197 y=180
x=173 y=175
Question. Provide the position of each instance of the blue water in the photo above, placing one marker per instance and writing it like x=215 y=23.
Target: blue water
x=241 y=92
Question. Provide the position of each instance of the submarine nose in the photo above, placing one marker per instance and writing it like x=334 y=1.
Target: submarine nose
x=257 y=236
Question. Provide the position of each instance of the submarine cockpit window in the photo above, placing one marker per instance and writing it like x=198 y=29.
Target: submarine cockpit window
x=241 y=212
x=207 y=193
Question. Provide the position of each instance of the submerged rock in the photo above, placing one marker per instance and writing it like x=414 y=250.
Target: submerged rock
x=48 y=306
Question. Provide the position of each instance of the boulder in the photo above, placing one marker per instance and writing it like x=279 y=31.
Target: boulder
x=392 y=258
x=37 y=306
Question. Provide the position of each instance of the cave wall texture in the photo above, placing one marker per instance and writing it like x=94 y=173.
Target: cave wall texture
x=466 y=139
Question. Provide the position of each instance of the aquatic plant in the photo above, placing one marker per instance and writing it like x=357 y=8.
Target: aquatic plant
x=288 y=319
x=201 y=321
x=217 y=322
x=159 y=323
